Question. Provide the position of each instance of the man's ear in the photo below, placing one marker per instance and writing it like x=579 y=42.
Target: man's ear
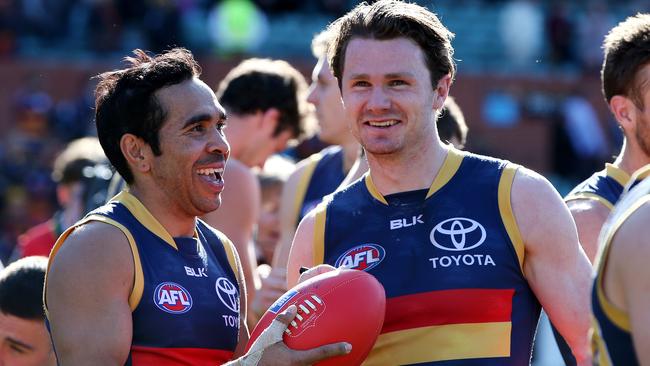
x=137 y=153
x=270 y=120
x=624 y=111
x=441 y=92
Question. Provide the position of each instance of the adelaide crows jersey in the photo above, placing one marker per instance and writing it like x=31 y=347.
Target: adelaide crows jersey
x=611 y=338
x=323 y=174
x=605 y=186
x=185 y=297
x=450 y=261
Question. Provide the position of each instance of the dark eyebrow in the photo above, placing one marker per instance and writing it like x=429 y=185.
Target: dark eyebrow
x=399 y=75
x=19 y=343
x=221 y=115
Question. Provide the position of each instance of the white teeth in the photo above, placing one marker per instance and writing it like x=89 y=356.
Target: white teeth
x=210 y=171
x=383 y=123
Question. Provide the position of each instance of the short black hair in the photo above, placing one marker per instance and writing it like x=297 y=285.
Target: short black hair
x=257 y=85
x=125 y=100
x=21 y=288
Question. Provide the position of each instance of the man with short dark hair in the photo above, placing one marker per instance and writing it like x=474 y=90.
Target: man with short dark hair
x=467 y=247
x=24 y=340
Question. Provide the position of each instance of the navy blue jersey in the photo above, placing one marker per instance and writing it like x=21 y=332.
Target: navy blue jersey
x=450 y=260
x=612 y=339
x=323 y=174
x=605 y=186
x=185 y=297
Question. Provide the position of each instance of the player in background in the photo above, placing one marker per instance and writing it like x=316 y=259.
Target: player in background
x=492 y=234
x=624 y=78
x=23 y=337
x=317 y=175
x=265 y=102
x=75 y=175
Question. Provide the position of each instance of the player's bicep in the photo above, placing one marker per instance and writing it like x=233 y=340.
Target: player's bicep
x=87 y=290
x=555 y=265
x=302 y=249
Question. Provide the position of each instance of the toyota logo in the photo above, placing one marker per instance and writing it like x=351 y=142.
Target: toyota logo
x=457 y=234
x=228 y=294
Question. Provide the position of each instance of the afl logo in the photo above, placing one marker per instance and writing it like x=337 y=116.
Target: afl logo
x=363 y=257
x=458 y=234
x=172 y=298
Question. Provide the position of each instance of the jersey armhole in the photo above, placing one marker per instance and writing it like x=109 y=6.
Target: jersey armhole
x=319 y=233
x=303 y=184
x=507 y=215
x=590 y=196
x=231 y=253
x=138 y=275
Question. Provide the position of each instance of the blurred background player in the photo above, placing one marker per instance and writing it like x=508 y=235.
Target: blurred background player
x=81 y=173
x=265 y=103
x=624 y=78
x=24 y=340
x=321 y=173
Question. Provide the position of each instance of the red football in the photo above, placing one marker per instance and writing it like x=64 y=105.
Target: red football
x=344 y=305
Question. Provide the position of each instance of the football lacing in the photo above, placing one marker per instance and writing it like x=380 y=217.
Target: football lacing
x=304 y=309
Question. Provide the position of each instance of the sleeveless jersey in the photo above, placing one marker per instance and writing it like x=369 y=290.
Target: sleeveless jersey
x=611 y=339
x=451 y=265
x=605 y=186
x=185 y=298
x=323 y=174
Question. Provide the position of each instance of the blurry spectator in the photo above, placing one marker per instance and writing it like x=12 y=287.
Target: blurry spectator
x=237 y=26
x=8 y=27
x=521 y=28
x=593 y=25
x=74 y=172
x=162 y=25
x=560 y=34
x=587 y=139
x=272 y=178
x=24 y=340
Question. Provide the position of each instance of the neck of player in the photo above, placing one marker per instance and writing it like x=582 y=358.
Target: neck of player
x=409 y=170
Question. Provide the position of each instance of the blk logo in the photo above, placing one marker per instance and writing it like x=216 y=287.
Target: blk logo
x=458 y=234
x=228 y=294
x=400 y=223
x=172 y=298
x=363 y=257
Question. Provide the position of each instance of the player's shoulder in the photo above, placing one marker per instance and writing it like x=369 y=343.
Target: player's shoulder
x=96 y=247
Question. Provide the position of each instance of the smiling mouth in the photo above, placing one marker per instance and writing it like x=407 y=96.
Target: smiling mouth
x=382 y=124
x=214 y=174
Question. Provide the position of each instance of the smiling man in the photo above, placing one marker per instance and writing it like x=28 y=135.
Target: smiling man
x=141 y=280
x=23 y=337
x=467 y=247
